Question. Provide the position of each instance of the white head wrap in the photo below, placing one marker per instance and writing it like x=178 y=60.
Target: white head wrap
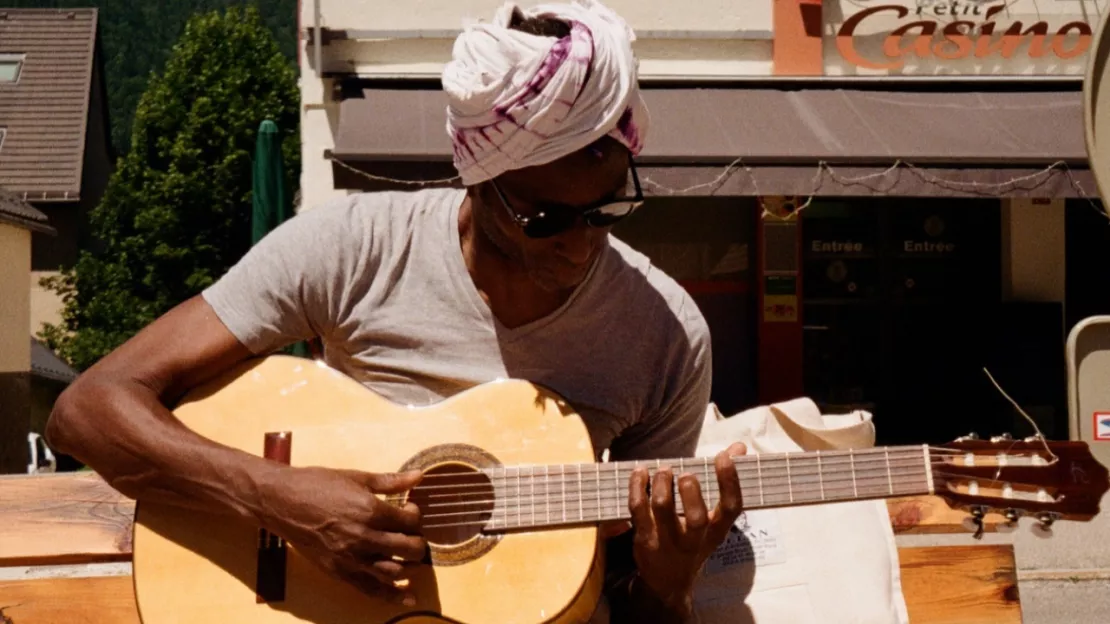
x=518 y=100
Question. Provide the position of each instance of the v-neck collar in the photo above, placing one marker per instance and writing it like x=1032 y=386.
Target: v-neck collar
x=470 y=292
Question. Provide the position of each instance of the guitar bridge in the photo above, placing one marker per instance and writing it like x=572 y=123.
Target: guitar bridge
x=269 y=584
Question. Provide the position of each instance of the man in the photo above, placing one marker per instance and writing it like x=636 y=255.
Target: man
x=421 y=295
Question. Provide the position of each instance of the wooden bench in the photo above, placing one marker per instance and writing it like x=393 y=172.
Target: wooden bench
x=49 y=522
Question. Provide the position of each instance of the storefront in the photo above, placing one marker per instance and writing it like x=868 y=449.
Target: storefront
x=871 y=225
x=907 y=298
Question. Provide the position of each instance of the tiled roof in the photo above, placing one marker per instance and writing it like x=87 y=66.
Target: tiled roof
x=17 y=212
x=45 y=112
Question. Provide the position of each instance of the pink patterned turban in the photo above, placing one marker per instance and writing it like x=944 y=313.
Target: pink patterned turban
x=518 y=100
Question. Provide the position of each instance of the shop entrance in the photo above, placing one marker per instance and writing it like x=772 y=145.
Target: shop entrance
x=903 y=309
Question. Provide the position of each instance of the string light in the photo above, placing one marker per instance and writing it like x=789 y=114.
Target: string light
x=823 y=169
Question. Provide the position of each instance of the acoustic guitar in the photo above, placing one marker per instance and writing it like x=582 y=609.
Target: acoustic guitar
x=511 y=499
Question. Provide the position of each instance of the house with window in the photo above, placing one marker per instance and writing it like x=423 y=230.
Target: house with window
x=55 y=162
x=55 y=151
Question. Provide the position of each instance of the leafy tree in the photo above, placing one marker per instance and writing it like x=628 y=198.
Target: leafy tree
x=176 y=214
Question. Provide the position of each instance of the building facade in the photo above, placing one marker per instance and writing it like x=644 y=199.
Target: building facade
x=55 y=163
x=870 y=199
x=55 y=152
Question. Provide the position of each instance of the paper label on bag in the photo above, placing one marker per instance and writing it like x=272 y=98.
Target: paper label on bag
x=756 y=537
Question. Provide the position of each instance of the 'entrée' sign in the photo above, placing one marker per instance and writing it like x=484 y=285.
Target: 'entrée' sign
x=954 y=30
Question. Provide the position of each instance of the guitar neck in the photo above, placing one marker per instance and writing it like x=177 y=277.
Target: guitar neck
x=568 y=494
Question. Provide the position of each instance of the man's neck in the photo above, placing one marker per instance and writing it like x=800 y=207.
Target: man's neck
x=513 y=297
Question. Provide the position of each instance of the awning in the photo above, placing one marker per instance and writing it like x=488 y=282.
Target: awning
x=763 y=141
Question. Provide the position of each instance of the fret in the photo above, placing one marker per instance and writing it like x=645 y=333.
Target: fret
x=759 y=470
x=677 y=494
x=519 y=507
x=506 y=489
x=789 y=485
x=889 y=478
x=820 y=476
x=546 y=496
x=597 y=488
x=563 y=488
x=502 y=493
x=500 y=499
x=617 y=490
x=928 y=470
x=581 y=512
x=514 y=497
x=705 y=478
x=532 y=491
x=852 y=463
x=674 y=480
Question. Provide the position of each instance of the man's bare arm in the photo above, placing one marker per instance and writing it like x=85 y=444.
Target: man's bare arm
x=114 y=419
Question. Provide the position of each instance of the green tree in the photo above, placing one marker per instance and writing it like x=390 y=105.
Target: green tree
x=176 y=214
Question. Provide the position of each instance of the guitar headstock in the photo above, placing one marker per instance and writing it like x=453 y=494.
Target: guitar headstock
x=1035 y=477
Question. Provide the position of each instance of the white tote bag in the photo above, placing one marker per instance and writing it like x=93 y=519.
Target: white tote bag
x=824 y=564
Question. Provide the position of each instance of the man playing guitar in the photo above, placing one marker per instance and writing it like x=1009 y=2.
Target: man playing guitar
x=421 y=295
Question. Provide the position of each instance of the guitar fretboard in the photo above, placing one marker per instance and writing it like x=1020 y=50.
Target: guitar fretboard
x=568 y=494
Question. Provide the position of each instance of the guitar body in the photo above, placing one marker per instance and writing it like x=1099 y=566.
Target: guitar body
x=194 y=567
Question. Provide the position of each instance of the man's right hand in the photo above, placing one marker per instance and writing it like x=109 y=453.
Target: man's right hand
x=114 y=418
x=335 y=519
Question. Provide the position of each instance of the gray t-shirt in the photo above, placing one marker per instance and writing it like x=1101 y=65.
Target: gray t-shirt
x=381 y=279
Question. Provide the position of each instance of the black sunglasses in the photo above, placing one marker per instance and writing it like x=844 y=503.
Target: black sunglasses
x=552 y=220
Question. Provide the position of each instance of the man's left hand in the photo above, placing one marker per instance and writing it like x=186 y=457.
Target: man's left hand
x=670 y=550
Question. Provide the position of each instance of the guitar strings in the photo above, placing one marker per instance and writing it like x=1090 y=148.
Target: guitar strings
x=858 y=455
x=502 y=521
x=1036 y=429
x=757 y=480
x=582 y=498
x=769 y=468
x=699 y=463
x=825 y=471
x=501 y=517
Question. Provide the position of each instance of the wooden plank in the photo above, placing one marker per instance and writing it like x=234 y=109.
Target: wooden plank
x=63 y=518
x=961 y=584
x=931 y=514
x=941 y=584
x=98 y=600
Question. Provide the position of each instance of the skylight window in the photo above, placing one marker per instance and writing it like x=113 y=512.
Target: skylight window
x=10 y=67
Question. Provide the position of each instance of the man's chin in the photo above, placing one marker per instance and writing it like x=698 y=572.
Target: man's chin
x=557 y=280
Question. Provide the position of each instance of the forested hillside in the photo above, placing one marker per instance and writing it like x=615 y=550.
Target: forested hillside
x=137 y=36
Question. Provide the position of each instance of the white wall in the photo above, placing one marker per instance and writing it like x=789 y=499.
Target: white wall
x=705 y=39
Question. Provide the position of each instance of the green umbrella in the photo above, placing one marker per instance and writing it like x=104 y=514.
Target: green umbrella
x=271 y=204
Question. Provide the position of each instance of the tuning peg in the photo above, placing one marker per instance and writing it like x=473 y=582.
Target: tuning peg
x=1045 y=520
x=968 y=438
x=977 y=513
x=1005 y=437
x=1035 y=438
x=1012 y=516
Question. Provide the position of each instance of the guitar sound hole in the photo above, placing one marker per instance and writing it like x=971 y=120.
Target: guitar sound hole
x=455 y=501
